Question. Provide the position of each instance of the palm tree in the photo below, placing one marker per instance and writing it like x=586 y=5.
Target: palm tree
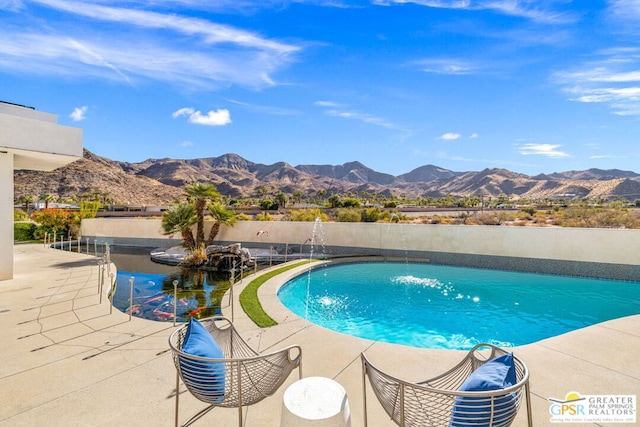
x=281 y=199
x=180 y=218
x=27 y=199
x=222 y=216
x=200 y=194
x=48 y=198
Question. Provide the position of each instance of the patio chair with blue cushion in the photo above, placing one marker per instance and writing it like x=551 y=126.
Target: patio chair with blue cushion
x=219 y=368
x=484 y=390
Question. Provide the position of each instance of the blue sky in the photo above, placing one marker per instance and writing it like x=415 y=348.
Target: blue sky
x=531 y=86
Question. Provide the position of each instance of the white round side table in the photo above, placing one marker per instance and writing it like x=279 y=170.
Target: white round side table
x=317 y=402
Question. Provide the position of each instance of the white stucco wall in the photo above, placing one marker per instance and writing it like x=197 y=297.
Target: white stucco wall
x=37 y=144
x=567 y=244
x=6 y=216
x=33 y=140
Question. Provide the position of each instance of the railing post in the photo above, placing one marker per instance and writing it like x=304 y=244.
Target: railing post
x=131 y=279
x=100 y=278
x=113 y=284
x=175 y=301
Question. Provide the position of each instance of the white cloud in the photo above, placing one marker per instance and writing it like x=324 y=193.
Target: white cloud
x=473 y=136
x=604 y=156
x=613 y=79
x=212 y=33
x=625 y=9
x=446 y=66
x=220 y=117
x=326 y=104
x=450 y=136
x=532 y=10
x=11 y=5
x=186 y=144
x=265 y=109
x=186 y=51
x=79 y=113
x=183 y=112
x=363 y=117
x=546 y=150
x=335 y=109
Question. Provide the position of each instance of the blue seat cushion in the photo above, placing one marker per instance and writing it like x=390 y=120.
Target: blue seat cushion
x=496 y=374
x=205 y=379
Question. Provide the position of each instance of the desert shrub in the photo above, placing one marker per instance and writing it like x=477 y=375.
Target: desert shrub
x=264 y=216
x=20 y=215
x=390 y=204
x=587 y=217
x=462 y=218
x=395 y=216
x=617 y=218
x=520 y=223
x=23 y=231
x=350 y=202
x=493 y=218
x=530 y=210
x=243 y=217
x=269 y=205
x=371 y=214
x=348 y=215
x=197 y=256
x=437 y=219
x=306 y=215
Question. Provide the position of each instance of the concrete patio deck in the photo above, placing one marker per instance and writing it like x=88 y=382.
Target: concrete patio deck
x=67 y=361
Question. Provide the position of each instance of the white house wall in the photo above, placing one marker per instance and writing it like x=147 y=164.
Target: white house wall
x=6 y=216
x=33 y=140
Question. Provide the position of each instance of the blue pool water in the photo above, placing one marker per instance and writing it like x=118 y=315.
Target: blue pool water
x=429 y=306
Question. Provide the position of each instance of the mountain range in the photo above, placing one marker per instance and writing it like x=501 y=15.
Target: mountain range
x=162 y=181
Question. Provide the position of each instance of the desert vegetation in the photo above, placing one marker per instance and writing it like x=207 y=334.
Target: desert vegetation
x=202 y=202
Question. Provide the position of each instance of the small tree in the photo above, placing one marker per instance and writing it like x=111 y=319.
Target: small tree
x=180 y=218
x=200 y=195
x=281 y=199
x=334 y=201
x=48 y=198
x=268 y=204
x=27 y=199
x=221 y=216
x=57 y=221
x=350 y=202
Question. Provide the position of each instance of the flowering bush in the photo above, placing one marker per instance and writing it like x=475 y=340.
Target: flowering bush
x=57 y=221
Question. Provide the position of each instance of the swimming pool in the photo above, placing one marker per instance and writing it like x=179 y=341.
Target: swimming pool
x=431 y=306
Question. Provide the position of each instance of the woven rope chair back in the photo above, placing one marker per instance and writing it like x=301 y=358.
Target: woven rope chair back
x=242 y=378
x=430 y=403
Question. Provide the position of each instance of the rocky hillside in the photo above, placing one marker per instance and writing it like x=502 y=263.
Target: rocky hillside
x=161 y=181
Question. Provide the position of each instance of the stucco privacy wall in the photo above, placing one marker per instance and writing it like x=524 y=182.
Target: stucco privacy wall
x=466 y=244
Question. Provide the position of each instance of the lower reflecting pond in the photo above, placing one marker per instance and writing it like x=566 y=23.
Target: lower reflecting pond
x=199 y=292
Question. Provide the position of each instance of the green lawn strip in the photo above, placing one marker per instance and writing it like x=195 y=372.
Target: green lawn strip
x=249 y=296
